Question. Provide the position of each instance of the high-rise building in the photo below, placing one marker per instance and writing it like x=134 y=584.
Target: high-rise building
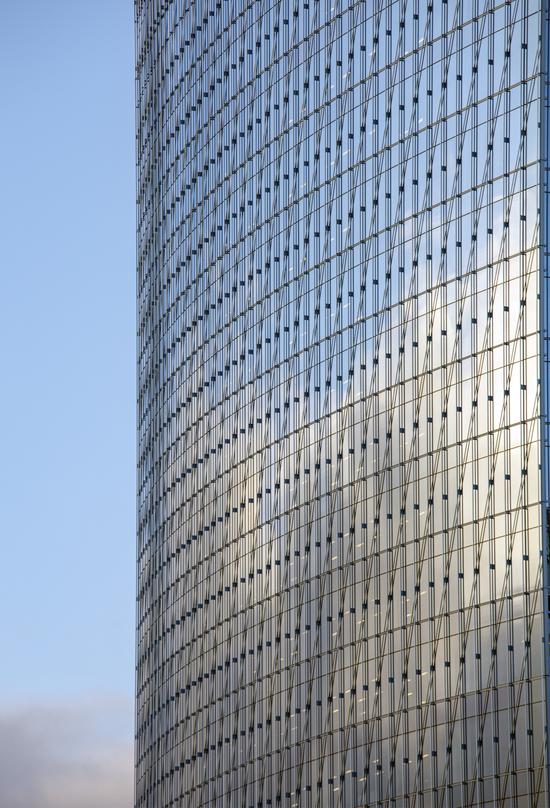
x=343 y=380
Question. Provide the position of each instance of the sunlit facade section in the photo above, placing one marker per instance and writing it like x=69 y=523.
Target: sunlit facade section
x=342 y=454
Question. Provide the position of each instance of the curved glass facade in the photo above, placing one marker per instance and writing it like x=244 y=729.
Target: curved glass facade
x=341 y=541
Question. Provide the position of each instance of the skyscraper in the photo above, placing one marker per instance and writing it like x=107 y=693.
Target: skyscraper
x=343 y=386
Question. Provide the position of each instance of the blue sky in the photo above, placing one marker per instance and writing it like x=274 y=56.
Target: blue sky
x=67 y=345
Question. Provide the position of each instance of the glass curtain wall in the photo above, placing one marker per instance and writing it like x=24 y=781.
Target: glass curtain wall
x=341 y=526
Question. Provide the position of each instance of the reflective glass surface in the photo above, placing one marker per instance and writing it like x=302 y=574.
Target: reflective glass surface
x=341 y=531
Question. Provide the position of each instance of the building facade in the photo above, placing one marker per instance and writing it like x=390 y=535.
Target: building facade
x=342 y=442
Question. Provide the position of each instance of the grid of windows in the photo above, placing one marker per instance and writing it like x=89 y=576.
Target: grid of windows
x=340 y=531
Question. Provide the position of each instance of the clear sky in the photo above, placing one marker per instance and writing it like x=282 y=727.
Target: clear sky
x=67 y=406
